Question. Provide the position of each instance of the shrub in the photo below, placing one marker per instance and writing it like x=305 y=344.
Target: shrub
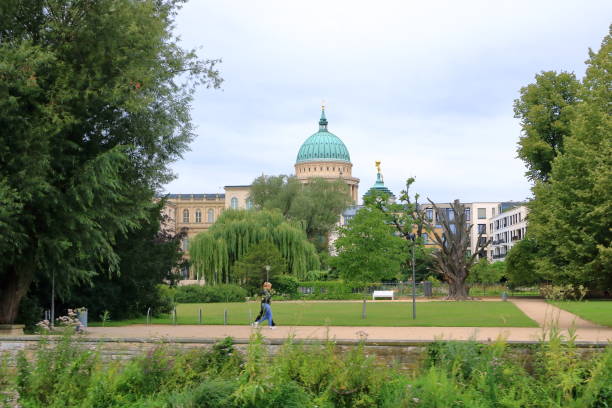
x=285 y=285
x=210 y=294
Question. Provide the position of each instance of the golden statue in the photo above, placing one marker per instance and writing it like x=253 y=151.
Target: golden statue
x=377 y=162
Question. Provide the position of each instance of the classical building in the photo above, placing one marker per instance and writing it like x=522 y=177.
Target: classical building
x=322 y=155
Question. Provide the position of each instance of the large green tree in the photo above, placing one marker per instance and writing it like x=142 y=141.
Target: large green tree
x=214 y=253
x=317 y=204
x=570 y=216
x=368 y=249
x=545 y=109
x=94 y=105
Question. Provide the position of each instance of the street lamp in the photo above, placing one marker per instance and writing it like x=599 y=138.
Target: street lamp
x=267 y=273
x=413 y=239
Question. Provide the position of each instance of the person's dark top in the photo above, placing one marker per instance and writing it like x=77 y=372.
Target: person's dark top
x=266 y=296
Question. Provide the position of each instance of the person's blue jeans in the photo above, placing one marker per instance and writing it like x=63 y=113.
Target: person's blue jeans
x=267 y=315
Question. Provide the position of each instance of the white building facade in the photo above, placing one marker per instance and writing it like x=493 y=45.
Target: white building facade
x=508 y=227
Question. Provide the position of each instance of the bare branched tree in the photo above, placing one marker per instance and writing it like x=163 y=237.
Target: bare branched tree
x=452 y=257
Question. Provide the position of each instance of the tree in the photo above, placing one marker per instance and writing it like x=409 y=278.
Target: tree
x=92 y=112
x=452 y=258
x=148 y=255
x=251 y=268
x=545 y=109
x=570 y=216
x=521 y=262
x=484 y=271
x=318 y=203
x=368 y=249
x=214 y=253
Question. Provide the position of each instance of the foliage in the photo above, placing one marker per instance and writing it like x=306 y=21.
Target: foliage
x=570 y=215
x=148 y=255
x=317 y=204
x=566 y=292
x=453 y=374
x=424 y=264
x=285 y=285
x=368 y=249
x=214 y=252
x=209 y=294
x=485 y=272
x=545 y=109
x=94 y=108
x=251 y=268
x=521 y=262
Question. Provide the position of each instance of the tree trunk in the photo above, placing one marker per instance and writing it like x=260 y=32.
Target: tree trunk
x=458 y=290
x=13 y=287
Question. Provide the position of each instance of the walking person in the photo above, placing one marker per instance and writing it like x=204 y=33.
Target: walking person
x=266 y=308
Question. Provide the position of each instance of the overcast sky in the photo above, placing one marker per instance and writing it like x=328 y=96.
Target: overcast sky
x=426 y=87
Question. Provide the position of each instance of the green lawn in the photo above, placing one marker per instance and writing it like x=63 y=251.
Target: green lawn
x=465 y=314
x=597 y=311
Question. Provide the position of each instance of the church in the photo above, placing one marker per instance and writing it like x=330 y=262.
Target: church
x=322 y=155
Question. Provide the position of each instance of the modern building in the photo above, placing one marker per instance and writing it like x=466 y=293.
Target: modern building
x=508 y=227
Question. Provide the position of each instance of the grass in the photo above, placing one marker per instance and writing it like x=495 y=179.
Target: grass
x=596 y=311
x=429 y=314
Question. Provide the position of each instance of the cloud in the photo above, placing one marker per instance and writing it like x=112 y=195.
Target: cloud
x=426 y=87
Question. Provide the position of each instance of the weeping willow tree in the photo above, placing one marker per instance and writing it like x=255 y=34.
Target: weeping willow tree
x=213 y=253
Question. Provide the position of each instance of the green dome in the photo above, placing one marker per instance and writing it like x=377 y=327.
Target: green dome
x=323 y=146
x=379 y=187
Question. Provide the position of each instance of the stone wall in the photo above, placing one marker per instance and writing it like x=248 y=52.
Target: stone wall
x=404 y=355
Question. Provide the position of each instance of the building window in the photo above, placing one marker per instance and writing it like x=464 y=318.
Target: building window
x=198 y=216
x=482 y=228
x=482 y=213
x=234 y=203
x=185 y=216
x=425 y=238
x=450 y=214
x=468 y=214
x=429 y=214
x=211 y=216
x=249 y=203
x=482 y=241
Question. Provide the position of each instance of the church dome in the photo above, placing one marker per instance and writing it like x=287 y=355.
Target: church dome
x=323 y=146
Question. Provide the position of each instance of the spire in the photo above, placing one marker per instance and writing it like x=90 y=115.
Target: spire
x=323 y=120
x=379 y=177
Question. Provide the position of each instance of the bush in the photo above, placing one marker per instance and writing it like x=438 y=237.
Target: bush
x=285 y=285
x=210 y=294
x=333 y=290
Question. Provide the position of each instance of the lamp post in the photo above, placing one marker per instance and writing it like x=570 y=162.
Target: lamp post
x=267 y=273
x=413 y=239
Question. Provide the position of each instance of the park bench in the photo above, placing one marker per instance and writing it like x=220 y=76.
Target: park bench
x=382 y=294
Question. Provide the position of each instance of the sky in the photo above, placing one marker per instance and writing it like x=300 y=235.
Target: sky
x=426 y=87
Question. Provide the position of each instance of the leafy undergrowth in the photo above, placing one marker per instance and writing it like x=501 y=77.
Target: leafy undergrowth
x=453 y=374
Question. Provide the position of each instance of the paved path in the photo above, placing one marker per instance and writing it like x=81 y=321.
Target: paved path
x=343 y=332
x=536 y=309
x=545 y=314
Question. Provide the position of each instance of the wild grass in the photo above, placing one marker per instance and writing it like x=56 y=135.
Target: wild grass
x=554 y=373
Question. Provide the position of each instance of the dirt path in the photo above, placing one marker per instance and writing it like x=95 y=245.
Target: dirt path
x=544 y=314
